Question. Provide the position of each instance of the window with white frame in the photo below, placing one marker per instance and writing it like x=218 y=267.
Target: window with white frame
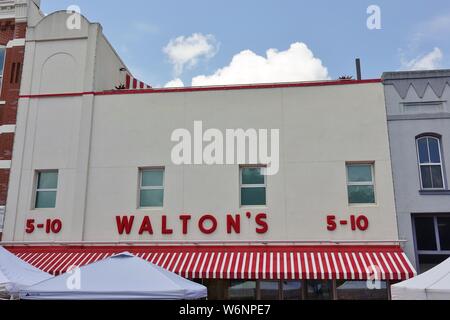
x=151 y=189
x=252 y=186
x=430 y=163
x=46 y=189
x=360 y=183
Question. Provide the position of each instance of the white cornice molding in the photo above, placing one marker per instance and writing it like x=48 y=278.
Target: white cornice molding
x=7 y=9
x=16 y=43
x=14 y=9
x=8 y=128
x=5 y=164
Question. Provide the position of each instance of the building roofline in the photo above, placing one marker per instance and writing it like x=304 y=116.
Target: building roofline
x=421 y=74
x=209 y=88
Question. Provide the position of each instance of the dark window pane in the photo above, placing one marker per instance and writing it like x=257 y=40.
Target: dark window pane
x=152 y=198
x=48 y=180
x=252 y=176
x=270 y=290
x=318 y=290
x=444 y=232
x=217 y=289
x=425 y=233
x=359 y=173
x=242 y=290
x=2 y=60
x=426 y=177
x=253 y=196
x=358 y=290
x=429 y=261
x=423 y=150
x=361 y=194
x=45 y=199
x=152 y=178
x=434 y=150
x=292 y=290
x=436 y=175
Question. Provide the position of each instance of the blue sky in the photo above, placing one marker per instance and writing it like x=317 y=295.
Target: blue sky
x=413 y=34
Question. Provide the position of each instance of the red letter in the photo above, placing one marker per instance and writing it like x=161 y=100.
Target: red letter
x=233 y=223
x=164 y=228
x=124 y=224
x=56 y=226
x=30 y=226
x=146 y=226
x=185 y=219
x=201 y=223
x=261 y=222
x=362 y=222
x=331 y=223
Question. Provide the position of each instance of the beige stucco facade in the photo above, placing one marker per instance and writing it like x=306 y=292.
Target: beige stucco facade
x=98 y=142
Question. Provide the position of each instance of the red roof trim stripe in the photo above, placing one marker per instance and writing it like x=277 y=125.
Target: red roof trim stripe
x=200 y=89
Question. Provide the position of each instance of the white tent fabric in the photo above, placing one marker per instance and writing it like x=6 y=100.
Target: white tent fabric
x=431 y=285
x=16 y=274
x=120 y=277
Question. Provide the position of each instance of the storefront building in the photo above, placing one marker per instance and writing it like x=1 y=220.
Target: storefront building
x=94 y=173
x=419 y=129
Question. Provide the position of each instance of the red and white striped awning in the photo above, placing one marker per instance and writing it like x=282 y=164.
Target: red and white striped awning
x=241 y=262
x=133 y=83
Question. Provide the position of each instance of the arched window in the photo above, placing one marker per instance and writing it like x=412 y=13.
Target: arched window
x=430 y=162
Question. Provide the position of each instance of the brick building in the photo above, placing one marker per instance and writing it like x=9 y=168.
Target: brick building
x=15 y=15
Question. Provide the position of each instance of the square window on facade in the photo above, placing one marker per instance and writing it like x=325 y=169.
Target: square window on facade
x=151 y=193
x=360 y=184
x=252 y=186
x=46 y=189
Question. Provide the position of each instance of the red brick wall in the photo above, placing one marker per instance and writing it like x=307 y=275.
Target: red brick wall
x=7 y=31
x=11 y=84
x=4 y=179
x=12 y=73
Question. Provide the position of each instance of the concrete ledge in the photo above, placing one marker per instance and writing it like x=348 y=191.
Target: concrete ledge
x=434 y=192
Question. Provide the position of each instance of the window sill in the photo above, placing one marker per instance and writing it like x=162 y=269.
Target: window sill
x=145 y=209
x=42 y=210
x=434 y=192
x=255 y=207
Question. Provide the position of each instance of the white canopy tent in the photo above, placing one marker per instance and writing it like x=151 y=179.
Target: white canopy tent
x=16 y=274
x=120 y=277
x=431 y=285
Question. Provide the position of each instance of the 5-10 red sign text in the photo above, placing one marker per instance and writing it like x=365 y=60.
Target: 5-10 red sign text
x=360 y=223
x=50 y=226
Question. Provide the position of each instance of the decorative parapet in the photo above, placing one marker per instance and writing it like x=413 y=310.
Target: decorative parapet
x=7 y=9
x=16 y=9
x=419 y=80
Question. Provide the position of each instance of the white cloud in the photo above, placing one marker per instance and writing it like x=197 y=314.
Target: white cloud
x=295 y=64
x=175 y=83
x=186 y=51
x=429 y=61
